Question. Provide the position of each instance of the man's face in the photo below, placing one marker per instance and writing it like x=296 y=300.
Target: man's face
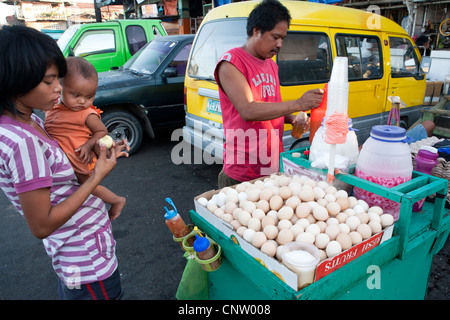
x=269 y=43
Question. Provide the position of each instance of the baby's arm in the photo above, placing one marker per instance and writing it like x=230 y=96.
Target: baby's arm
x=98 y=129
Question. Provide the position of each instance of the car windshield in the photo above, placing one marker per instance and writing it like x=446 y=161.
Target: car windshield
x=148 y=59
x=216 y=38
x=64 y=40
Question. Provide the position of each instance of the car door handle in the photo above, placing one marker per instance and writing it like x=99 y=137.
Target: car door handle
x=114 y=68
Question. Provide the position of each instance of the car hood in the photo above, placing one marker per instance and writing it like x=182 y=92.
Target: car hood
x=120 y=79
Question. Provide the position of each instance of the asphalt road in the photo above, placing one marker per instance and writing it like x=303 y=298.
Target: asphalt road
x=150 y=262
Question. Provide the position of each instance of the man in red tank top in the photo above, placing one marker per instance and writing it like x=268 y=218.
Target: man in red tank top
x=253 y=113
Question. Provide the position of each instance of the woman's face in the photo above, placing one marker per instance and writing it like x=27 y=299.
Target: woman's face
x=44 y=96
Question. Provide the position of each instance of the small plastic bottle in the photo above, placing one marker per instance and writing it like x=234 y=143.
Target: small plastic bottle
x=205 y=251
x=426 y=160
x=317 y=114
x=175 y=223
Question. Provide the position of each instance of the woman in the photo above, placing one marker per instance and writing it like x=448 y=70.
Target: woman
x=37 y=177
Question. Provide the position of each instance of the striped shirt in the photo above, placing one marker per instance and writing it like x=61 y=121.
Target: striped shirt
x=83 y=249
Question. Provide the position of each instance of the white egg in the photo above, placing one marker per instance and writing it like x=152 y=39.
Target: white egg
x=375 y=226
x=312 y=204
x=248 y=235
x=322 y=225
x=363 y=204
x=330 y=197
x=322 y=240
x=333 y=248
x=266 y=194
x=249 y=206
x=349 y=212
x=276 y=202
x=203 y=201
x=332 y=231
x=285 y=236
x=378 y=210
x=263 y=205
x=242 y=196
x=258 y=239
x=293 y=202
x=273 y=214
x=244 y=217
x=386 y=220
x=236 y=213
x=285 y=212
x=332 y=220
x=341 y=217
x=269 y=248
x=303 y=222
x=319 y=193
x=254 y=223
x=341 y=194
x=258 y=213
x=227 y=217
x=356 y=237
x=352 y=201
x=240 y=231
x=331 y=189
x=296 y=229
x=353 y=222
x=270 y=231
x=313 y=228
x=373 y=216
x=219 y=212
x=311 y=218
x=333 y=208
x=343 y=202
x=363 y=217
x=268 y=220
x=364 y=230
x=253 y=194
x=284 y=224
x=230 y=206
x=322 y=184
x=305 y=237
x=302 y=210
x=307 y=194
x=358 y=209
x=320 y=213
x=220 y=199
x=211 y=207
x=235 y=224
x=322 y=202
x=232 y=197
x=344 y=240
x=344 y=228
x=279 y=252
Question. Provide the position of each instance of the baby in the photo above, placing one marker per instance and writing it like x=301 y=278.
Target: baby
x=77 y=126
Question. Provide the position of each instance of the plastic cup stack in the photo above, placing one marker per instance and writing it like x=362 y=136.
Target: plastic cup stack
x=338 y=87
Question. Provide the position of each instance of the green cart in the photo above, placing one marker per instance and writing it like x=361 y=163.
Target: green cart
x=397 y=268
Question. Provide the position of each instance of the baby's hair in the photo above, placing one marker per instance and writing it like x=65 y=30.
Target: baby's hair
x=77 y=65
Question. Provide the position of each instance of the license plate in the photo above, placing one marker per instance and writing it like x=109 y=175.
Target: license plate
x=213 y=106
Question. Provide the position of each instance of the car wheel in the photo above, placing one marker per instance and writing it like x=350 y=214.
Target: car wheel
x=123 y=125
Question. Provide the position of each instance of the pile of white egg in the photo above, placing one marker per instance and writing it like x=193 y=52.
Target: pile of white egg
x=279 y=209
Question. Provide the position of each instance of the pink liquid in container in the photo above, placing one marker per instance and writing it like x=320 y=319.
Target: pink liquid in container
x=385 y=159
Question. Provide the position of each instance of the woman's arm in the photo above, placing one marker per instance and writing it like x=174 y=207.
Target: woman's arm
x=43 y=218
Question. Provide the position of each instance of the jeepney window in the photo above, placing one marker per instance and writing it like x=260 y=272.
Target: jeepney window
x=404 y=61
x=364 y=56
x=136 y=38
x=96 y=41
x=214 y=39
x=304 y=58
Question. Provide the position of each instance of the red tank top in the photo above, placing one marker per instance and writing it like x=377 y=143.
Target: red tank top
x=252 y=148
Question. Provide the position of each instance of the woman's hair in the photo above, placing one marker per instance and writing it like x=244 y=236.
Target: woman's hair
x=266 y=15
x=25 y=55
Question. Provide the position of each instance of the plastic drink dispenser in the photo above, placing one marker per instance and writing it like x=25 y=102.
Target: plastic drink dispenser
x=385 y=159
x=426 y=160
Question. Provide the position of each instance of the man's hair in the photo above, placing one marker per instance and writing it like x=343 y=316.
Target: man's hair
x=25 y=56
x=266 y=15
x=80 y=66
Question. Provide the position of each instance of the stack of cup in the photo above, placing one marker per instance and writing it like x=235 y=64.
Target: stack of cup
x=338 y=87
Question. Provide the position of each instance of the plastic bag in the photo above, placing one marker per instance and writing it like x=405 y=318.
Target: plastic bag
x=194 y=282
x=300 y=125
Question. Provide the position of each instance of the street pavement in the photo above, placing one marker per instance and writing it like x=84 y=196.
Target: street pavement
x=150 y=262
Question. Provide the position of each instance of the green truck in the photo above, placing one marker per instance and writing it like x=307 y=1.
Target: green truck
x=108 y=45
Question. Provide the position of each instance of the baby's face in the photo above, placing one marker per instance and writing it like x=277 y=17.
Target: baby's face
x=78 y=93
